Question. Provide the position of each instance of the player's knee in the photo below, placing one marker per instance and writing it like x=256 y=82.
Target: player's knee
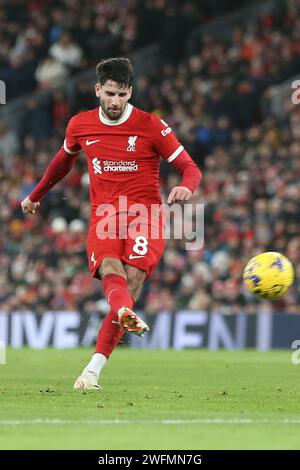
x=135 y=289
x=112 y=266
x=135 y=279
x=135 y=276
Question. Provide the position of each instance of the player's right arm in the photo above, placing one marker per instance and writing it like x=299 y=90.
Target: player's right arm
x=58 y=168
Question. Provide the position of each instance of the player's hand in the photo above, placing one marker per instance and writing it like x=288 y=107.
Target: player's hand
x=179 y=193
x=28 y=206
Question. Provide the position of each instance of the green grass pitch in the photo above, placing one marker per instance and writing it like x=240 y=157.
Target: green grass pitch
x=193 y=399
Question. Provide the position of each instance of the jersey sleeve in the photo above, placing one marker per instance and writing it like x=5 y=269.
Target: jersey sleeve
x=71 y=144
x=164 y=139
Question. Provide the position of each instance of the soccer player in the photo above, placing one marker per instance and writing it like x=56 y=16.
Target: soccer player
x=123 y=146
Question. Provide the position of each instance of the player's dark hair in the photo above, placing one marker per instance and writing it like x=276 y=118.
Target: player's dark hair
x=117 y=69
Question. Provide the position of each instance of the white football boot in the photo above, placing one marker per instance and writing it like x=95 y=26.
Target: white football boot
x=87 y=380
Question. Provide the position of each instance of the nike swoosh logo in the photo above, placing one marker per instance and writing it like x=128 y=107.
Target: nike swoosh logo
x=139 y=256
x=90 y=142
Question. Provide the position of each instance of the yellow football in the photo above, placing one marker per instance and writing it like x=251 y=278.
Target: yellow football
x=269 y=275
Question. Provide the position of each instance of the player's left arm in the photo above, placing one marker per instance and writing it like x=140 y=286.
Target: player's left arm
x=169 y=148
x=190 y=178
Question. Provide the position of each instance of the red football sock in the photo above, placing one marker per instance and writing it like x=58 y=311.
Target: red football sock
x=116 y=292
x=110 y=334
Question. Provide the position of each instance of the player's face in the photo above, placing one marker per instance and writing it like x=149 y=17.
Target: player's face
x=113 y=98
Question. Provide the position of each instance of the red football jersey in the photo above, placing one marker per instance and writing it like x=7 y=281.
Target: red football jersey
x=122 y=156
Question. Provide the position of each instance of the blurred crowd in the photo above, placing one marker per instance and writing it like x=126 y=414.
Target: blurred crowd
x=43 y=42
x=250 y=162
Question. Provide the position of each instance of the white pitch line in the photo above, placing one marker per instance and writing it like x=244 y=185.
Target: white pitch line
x=16 y=422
